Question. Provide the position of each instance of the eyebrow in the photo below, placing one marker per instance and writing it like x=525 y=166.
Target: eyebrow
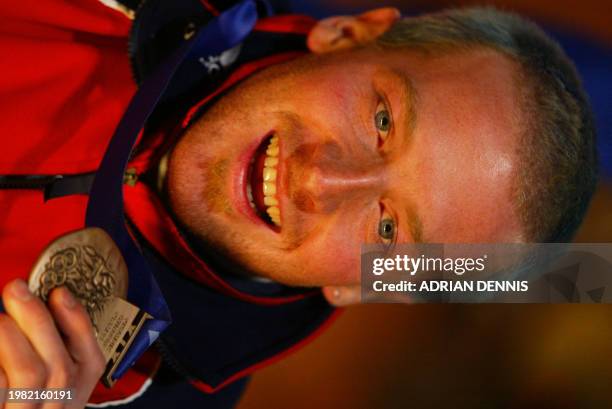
x=415 y=226
x=411 y=97
x=409 y=92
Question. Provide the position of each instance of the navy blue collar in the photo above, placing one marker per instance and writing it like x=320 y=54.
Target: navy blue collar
x=105 y=206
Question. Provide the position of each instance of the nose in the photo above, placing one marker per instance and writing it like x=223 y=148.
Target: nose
x=325 y=183
x=321 y=177
x=326 y=186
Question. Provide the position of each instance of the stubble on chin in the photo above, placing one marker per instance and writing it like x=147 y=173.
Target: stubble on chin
x=213 y=194
x=196 y=191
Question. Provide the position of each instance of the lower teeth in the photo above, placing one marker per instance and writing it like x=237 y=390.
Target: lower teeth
x=250 y=195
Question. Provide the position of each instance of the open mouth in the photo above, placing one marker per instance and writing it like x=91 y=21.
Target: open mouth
x=261 y=182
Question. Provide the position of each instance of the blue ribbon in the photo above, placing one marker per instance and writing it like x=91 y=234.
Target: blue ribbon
x=105 y=206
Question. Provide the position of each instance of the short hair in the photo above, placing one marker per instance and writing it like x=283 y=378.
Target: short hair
x=557 y=156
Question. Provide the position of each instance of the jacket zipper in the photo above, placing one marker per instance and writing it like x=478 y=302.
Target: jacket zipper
x=42 y=181
x=54 y=186
x=36 y=182
x=169 y=358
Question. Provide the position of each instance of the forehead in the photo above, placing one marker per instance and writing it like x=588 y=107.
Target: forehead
x=461 y=161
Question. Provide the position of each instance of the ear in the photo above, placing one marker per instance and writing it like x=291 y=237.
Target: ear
x=342 y=32
x=341 y=296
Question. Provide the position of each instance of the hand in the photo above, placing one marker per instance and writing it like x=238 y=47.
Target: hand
x=49 y=346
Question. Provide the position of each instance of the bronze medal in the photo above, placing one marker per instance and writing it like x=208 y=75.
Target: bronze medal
x=90 y=265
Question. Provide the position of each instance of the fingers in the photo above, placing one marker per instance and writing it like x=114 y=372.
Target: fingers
x=37 y=342
x=51 y=346
x=3 y=386
x=3 y=381
x=34 y=320
x=72 y=320
x=22 y=366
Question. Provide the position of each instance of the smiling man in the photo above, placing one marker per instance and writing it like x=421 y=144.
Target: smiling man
x=252 y=189
x=362 y=146
x=467 y=126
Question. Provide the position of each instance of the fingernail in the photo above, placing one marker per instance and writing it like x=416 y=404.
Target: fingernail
x=336 y=293
x=68 y=299
x=20 y=290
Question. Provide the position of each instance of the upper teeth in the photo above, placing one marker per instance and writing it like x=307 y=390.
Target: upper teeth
x=269 y=181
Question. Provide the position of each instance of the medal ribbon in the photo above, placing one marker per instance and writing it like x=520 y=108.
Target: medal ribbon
x=105 y=206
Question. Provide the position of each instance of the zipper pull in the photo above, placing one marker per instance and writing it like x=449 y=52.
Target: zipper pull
x=130 y=177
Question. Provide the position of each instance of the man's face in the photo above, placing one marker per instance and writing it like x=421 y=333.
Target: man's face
x=373 y=146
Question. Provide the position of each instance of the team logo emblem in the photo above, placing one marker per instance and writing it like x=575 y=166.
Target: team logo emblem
x=214 y=63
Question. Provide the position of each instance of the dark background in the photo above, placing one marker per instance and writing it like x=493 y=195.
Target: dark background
x=470 y=356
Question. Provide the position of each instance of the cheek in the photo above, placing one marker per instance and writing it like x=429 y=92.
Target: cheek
x=327 y=91
x=334 y=257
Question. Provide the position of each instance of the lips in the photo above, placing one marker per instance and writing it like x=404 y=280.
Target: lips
x=261 y=186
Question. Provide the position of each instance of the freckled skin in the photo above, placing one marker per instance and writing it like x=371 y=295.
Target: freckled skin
x=455 y=168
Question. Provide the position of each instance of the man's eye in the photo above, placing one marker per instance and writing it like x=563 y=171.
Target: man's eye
x=382 y=121
x=386 y=229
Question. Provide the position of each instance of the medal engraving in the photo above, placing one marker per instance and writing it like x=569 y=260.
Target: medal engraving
x=90 y=265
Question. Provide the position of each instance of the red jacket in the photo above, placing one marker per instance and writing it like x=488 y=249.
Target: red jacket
x=65 y=83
